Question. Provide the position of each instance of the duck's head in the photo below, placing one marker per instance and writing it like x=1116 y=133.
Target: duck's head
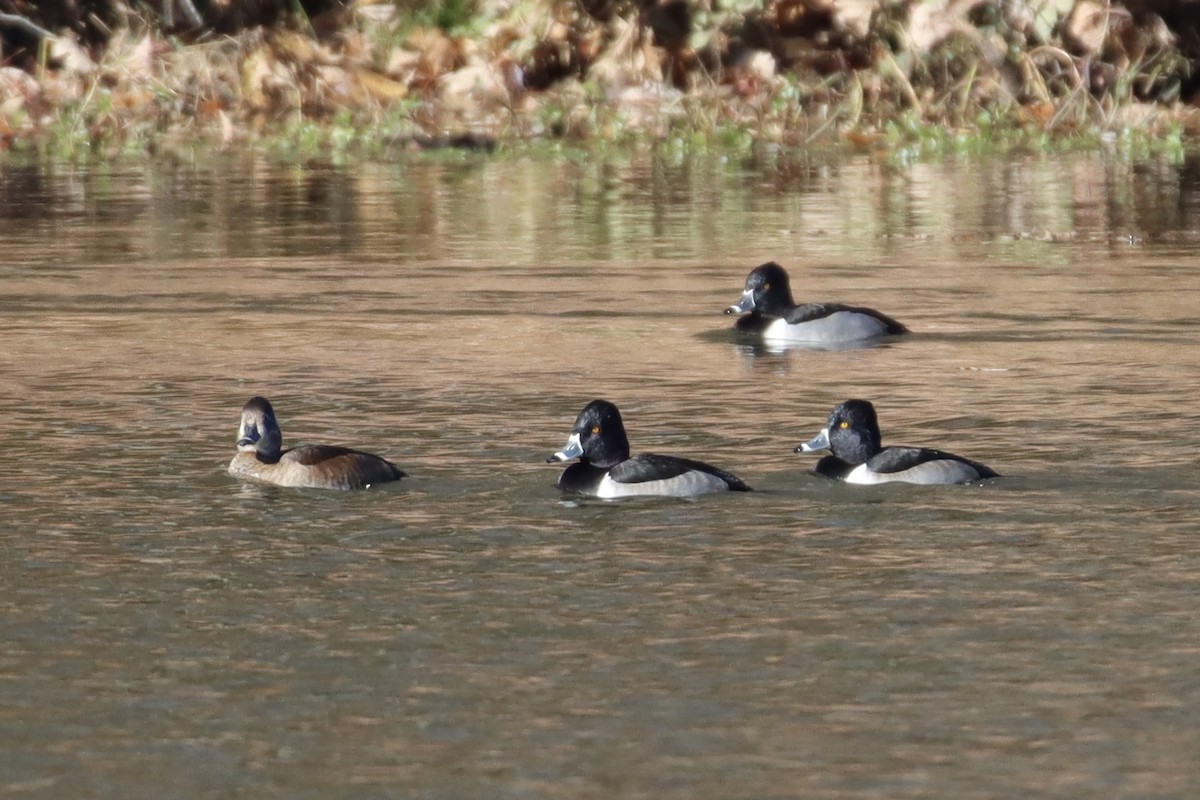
x=258 y=431
x=851 y=433
x=598 y=437
x=768 y=291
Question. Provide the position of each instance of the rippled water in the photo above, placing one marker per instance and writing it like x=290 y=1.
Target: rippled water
x=471 y=632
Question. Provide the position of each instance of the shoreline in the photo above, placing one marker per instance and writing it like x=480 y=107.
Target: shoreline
x=379 y=83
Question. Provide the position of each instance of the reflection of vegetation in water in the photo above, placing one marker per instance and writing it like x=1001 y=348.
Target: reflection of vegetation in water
x=467 y=73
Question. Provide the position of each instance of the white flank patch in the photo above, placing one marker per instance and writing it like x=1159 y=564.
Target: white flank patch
x=689 y=484
x=840 y=326
x=931 y=473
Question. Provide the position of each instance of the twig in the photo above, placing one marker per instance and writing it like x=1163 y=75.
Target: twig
x=812 y=137
x=30 y=26
x=189 y=11
x=964 y=96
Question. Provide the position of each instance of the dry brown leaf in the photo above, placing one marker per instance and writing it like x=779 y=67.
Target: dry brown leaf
x=58 y=93
x=402 y=64
x=933 y=23
x=862 y=139
x=855 y=16
x=475 y=84
x=381 y=89
x=73 y=58
x=11 y=106
x=1087 y=26
x=17 y=83
x=626 y=60
x=1189 y=120
x=256 y=68
x=1039 y=113
x=378 y=12
x=209 y=107
x=132 y=99
x=335 y=86
x=136 y=60
x=440 y=53
x=298 y=49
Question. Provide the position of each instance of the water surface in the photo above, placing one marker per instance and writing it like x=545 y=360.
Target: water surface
x=473 y=633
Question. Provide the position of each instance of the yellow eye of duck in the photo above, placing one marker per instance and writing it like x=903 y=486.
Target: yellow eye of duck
x=843 y=424
x=766 y=287
x=595 y=429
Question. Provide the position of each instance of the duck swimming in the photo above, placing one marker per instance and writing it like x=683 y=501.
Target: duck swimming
x=771 y=313
x=852 y=434
x=311 y=466
x=605 y=468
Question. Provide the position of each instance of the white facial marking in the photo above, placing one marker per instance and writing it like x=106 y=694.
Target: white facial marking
x=573 y=449
x=822 y=440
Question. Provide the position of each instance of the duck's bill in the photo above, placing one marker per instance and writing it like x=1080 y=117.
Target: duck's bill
x=815 y=444
x=573 y=449
x=249 y=437
x=743 y=306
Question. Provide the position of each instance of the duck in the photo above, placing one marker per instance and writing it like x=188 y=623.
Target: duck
x=770 y=312
x=852 y=434
x=310 y=466
x=605 y=469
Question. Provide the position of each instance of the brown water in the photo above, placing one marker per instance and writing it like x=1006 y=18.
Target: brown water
x=470 y=633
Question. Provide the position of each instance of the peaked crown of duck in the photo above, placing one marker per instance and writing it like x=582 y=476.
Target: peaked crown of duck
x=258 y=431
x=853 y=431
x=768 y=291
x=601 y=434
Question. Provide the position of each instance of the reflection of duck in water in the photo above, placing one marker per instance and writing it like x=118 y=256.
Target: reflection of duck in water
x=605 y=468
x=772 y=314
x=852 y=434
x=312 y=466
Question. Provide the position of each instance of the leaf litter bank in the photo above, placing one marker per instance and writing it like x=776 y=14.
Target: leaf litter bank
x=374 y=76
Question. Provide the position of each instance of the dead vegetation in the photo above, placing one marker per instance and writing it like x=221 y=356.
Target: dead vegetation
x=788 y=71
